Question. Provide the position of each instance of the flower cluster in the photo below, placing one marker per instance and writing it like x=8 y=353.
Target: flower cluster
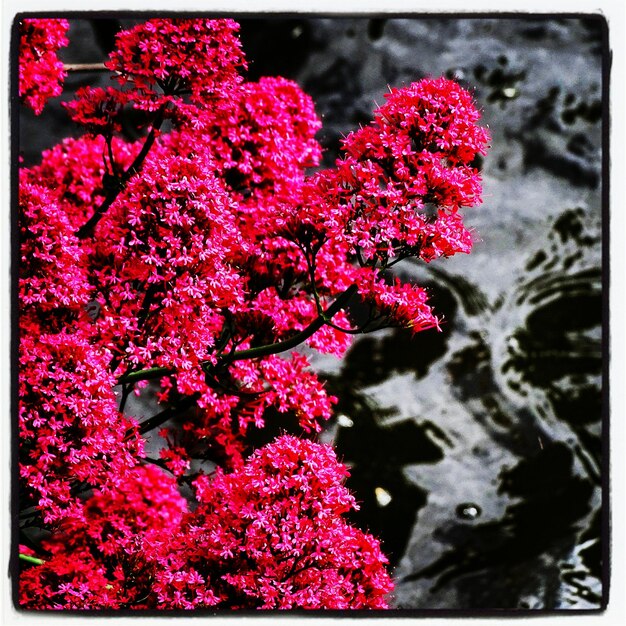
x=398 y=303
x=397 y=190
x=100 y=110
x=270 y=535
x=202 y=259
x=102 y=556
x=276 y=532
x=41 y=74
x=175 y=56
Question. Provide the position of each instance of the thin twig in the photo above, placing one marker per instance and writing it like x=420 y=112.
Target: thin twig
x=126 y=391
x=85 y=67
x=302 y=336
x=160 y=418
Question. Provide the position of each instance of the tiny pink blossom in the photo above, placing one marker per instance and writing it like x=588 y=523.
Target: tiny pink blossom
x=41 y=74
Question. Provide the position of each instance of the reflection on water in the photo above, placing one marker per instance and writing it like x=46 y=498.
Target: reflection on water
x=526 y=371
x=388 y=501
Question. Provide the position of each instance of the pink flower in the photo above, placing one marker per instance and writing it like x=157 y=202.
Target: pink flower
x=272 y=535
x=41 y=74
x=178 y=55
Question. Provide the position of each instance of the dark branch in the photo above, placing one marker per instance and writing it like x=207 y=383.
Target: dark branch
x=160 y=418
x=260 y=351
x=87 y=229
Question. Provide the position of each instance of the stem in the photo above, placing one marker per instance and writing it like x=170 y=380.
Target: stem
x=260 y=351
x=84 y=67
x=158 y=463
x=298 y=338
x=126 y=390
x=147 y=374
x=111 y=157
x=31 y=559
x=312 y=270
x=348 y=331
x=148 y=299
x=86 y=230
x=359 y=257
x=224 y=337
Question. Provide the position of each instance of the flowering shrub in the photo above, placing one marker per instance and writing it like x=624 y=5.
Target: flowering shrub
x=196 y=261
x=272 y=535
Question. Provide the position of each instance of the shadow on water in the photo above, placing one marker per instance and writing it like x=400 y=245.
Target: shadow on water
x=373 y=359
x=377 y=453
x=557 y=350
x=544 y=550
x=550 y=500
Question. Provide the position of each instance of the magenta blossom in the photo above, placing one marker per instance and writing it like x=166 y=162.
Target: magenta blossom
x=41 y=74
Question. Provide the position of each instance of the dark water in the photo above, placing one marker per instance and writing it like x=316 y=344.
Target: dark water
x=523 y=530
x=476 y=453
